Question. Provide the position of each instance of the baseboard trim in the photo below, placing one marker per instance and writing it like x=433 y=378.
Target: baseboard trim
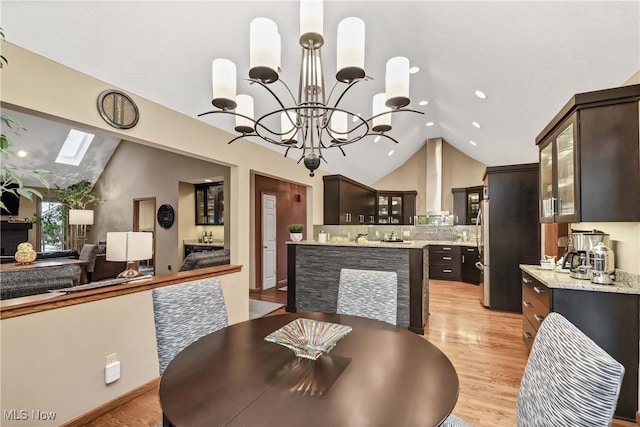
x=282 y=283
x=638 y=418
x=112 y=404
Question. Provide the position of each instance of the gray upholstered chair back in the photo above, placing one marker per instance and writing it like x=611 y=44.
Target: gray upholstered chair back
x=568 y=380
x=184 y=313
x=89 y=253
x=369 y=293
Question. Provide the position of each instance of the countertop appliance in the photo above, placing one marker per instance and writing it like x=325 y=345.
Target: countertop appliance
x=508 y=233
x=603 y=265
x=578 y=248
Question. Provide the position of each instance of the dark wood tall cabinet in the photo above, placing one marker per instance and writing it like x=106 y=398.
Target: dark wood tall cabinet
x=466 y=204
x=514 y=232
x=590 y=159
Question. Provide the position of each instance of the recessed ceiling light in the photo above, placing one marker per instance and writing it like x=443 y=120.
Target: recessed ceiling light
x=208 y=180
x=480 y=94
x=377 y=138
x=390 y=153
x=472 y=143
x=414 y=70
x=476 y=124
x=21 y=153
x=430 y=123
x=423 y=102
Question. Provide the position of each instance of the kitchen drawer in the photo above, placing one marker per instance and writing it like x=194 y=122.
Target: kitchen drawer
x=445 y=272
x=528 y=333
x=444 y=258
x=538 y=290
x=533 y=309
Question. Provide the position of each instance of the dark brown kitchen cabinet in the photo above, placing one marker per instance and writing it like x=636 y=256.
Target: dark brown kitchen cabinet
x=610 y=319
x=590 y=159
x=209 y=204
x=396 y=207
x=348 y=202
x=466 y=204
x=469 y=272
x=444 y=262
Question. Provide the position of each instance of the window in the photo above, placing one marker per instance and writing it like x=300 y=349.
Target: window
x=51 y=226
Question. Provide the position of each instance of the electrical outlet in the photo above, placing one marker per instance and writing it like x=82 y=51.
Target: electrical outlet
x=111 y=358
x=169 y=268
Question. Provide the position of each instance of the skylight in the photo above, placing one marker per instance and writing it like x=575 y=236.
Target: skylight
x=74 y=147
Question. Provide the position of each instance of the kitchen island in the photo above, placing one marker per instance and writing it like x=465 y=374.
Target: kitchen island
x=608 y=314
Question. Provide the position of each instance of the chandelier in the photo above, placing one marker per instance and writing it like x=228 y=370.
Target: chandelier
x=314 y=121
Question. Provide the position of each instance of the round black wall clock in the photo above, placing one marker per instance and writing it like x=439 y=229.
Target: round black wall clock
x=118 y=109
x=165 y=216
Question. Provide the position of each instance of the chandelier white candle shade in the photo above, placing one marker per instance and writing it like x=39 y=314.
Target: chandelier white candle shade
x=339 y=125
x=287 y=120
x=382 y=123
x=264 y=50
x=397 y=82
x=129 y=246
x=311 y=23
x=350 y=50
x=80 y=217
x=223 y=77
x=244 y=108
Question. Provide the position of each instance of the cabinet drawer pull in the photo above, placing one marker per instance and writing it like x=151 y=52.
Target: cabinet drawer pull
x=446 y=270
x=446 y=249
x=527 y=335
x=447 y=258
x=470 y=250
x=527 y=304
x=538 y=317
x=538 y=289
x=525 y=280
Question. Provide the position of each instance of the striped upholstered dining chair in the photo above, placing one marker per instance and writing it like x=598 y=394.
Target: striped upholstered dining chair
x=568 y=380
x=185 y=312
x=368 y=293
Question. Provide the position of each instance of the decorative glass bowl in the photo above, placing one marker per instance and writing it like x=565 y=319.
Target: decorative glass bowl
x=309 y=338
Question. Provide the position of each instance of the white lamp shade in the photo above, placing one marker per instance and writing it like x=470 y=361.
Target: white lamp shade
x=339 y=125
x=397 y=78
x=311 y=17
x=129 y=246
x=378 y=108
x=350 y=44
x=287 y=120
x=245 y=107
x=223 y=77
x=80 y=216
x=264 y=44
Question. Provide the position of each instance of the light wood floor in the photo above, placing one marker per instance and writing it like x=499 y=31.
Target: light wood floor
x=484 y=346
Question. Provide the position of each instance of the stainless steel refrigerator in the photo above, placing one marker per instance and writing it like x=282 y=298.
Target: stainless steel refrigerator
x=508 y=233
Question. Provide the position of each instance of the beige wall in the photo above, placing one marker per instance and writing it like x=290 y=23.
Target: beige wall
x=137 y=171
x=459 y=170
x=625 y=242
x=54 y=360
x=35 y=85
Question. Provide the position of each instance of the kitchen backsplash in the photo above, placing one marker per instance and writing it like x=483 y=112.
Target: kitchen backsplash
x=405 y=232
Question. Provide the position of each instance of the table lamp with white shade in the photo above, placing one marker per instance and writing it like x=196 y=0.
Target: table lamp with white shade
x=80 y=218
x=129 y=246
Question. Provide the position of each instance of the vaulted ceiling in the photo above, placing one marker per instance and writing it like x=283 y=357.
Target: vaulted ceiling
x=528 y=57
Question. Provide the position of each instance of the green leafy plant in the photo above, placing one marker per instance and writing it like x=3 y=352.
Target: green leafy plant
x=52 y=225
x=78 y=195
x=296 y=228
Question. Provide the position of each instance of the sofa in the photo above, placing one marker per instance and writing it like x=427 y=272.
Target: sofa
x=24 y=282
x=206 y=259
x=104 y=269
x=67 y=253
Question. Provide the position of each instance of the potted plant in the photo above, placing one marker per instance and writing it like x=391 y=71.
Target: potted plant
x=295 y=232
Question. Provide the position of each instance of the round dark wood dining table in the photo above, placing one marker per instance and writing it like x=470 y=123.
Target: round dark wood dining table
x=377 y=375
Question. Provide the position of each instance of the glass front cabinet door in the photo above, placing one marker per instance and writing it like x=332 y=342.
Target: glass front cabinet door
x=558 y=175
x=209 y=204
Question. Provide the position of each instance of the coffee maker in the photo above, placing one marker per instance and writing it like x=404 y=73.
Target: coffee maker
x=579 y=245
x=603 y=264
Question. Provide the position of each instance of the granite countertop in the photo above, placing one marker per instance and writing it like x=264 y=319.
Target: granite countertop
x=199 y=243
x=560 y=280
x=377 y=244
